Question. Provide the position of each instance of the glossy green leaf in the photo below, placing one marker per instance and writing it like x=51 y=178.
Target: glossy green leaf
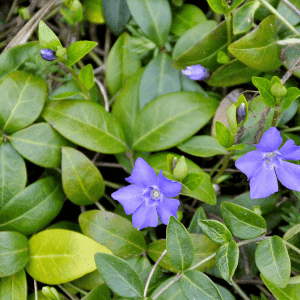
x=99 y=293
x=237 y=147
x=33 y=208
x=202 y=146
x=291 y=232
x=194 y=227
x=22 y=97
x=264 y=87
x=222 y=134
x=272 y=260
x=180 y=171
x=231 y=118
x=119 y=275
x=243 y=19
x=117 y=14
x=78 y=50
x=258 y=49
x=153 y=17
x=205 y=50
x=121 y=64
x=86 y=124
x=47 y=38
x=216 y=231
x=86 y=76
x=14 y=287
x=231 y=74
x=227 y=258
x=242 y=222
x=13 y=175
x=13 y=252
x=82 y=181
x=55 y=250
x=226 y=295
x=159 y=78
x=93 y=11
x=217 y=6
x=40 y=144
x=292 y=94
x=192 y=181
x=197 y=285
x=186 y=17
x=113 y=231
x=203 y=247
x=179 y=245
x=171 y=119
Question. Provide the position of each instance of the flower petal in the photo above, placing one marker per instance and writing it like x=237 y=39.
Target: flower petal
x=169 y=188
x=145 y=216
x=270 y=141
x=142 y=174
x=289 y=175
x=130 y=197
x=167 y=208
x=250 y=163
x=263 y=184
x=290 y=151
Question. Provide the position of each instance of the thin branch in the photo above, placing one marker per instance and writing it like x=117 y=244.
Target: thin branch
x=292 y=7
x=103 y=92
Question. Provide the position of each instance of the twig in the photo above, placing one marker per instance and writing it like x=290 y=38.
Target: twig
x=103 y=92
x=110 y=165
x=239 y=290
x=292 y=7
x=67 y=293
x=36 y=296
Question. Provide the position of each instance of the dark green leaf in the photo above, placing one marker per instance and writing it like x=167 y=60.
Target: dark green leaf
x=193 y=180
x=264 y=87
x=78 y=50
x=14 y=287
x=194 y=227
x=99 y=293
x=223 y=134
x=216 y=231
x=89 y=281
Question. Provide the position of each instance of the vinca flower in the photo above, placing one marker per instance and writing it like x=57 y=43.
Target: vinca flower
x=196 y=72
x=48 y=54
x=148 y=195
x=263 y=165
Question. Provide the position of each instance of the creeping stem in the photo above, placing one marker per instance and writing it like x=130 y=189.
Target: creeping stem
x=224 y=166
x=229 y=32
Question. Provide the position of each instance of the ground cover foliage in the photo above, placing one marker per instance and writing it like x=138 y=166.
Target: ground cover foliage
x=194 y=104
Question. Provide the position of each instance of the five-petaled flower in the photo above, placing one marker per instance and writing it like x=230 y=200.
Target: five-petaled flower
x=262 y=165
x=148 y=195
x=196 y=72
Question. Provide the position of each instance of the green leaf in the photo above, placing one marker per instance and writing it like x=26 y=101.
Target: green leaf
x=258 y=49
x=33 y=208
x=89 y=281
x=86 y=124
x=185 y=18
x=13 y=252
x=272 y=260
x=119 y=275
x=243 y=19
x=121 y=64
x=159 y=78
x=180 y=171
x=242 y=222
x=117 y=14
x=22 y=97
x=171 y=119
x=47 y=38
x=82 y=181
x=194 y=227
x=197 y=285
x=237 y=147
x=290 y=292
x=55 y=250
x=78 y=50
x=222 y=134
x=153 y=17
x=40 y=144
x=291 y=232
x=264 y=87
x=14 y=287
x=113 y=231
x=13 y=175
x=227 y=258
x=292 y=94
x=202 y=146
x=288 y=13
x=217 y=6
x=232 y=73
x=179 y=245
x=93 y=11
x=86 y=76
x=231 y=118
x=192 y=181
x=216 y=231
x=101 y=292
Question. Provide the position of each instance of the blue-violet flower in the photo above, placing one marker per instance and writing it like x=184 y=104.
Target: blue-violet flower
x=262 y=165
x=196 y=72
x=148 y=196
x=48 y=54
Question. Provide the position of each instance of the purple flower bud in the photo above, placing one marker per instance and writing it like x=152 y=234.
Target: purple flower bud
x=48 y=54
x=196 y=72
x=241 y=113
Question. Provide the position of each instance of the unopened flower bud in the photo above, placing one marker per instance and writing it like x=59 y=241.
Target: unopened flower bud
x=241 y=113
x=217 y=189
x=50 y=293
x=174 y=163
x=48 y=54
x=61 y=51
x=196 y=72
x=278 y=90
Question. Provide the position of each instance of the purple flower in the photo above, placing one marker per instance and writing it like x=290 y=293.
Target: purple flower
x=196 y=72
x=262 y=165
x=48 y=54
x=148 y=196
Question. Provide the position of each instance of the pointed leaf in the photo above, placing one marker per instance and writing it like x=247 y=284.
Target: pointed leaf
x=86 y=76
x=264 y=87
x=47 y=38
x=223 y=134
x=14 y=287
x=78 y=50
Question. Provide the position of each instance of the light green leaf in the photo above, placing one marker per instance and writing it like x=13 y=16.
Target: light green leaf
x=222 y=134
x=78 y=50
x=55 y=250
x=291 y=232
x=86 y=124
x=192 y=181
x=47 y=38
x=113 y=231
x=22 y=97
x=93 y=11
x=264 y=87
x=13 y=175
x=86 y=76
x=292 y=94
x=272 y=260
x=217 y=6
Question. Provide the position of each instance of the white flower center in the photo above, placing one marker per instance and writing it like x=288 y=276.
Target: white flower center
x=155 y=194
x=270 y=159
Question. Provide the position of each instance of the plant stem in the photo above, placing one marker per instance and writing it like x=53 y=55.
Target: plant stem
x=239 y=290
x=66 y=292
x=292 y=246
x=112 y=184
x=279 y=16
x=291 y=129
x=229 y=32
x=76 y=288
x=36 y=297
x=224 y=166
x=291 y=6
x=100 y=206
x=85 y=92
